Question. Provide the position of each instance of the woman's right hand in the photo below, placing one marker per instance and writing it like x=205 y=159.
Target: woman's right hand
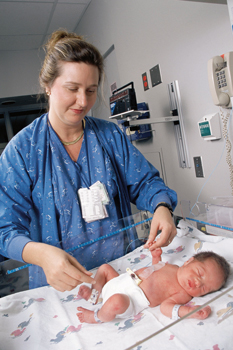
x=63 y=272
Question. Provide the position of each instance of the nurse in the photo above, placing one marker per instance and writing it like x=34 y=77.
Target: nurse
x=53 y=171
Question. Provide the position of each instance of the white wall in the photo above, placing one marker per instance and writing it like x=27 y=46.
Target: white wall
x=180 y=36
x=19 y=72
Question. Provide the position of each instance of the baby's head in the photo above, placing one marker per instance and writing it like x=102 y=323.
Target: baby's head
x=221 y=262
x=204 y=273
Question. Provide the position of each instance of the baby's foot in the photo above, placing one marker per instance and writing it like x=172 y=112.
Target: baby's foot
x=85 y=315
x=91 y=295
x=84 y=292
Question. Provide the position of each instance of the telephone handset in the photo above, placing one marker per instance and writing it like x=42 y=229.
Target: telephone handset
x=220 y=76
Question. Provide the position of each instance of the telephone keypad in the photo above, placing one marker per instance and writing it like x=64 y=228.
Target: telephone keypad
x=221 y=79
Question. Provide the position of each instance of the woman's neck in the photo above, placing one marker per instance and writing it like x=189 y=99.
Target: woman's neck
x=66 y=132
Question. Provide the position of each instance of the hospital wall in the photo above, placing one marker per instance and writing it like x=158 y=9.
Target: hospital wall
x=180 y=36
x=19 y=72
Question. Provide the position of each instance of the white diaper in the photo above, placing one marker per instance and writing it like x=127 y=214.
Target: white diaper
x=124 y=284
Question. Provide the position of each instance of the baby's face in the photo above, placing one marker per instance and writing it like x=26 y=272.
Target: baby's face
x=200 y=278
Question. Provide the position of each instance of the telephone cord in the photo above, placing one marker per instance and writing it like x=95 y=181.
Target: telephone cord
x=225 y=120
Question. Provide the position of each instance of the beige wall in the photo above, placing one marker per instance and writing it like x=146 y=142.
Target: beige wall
x=181 y=36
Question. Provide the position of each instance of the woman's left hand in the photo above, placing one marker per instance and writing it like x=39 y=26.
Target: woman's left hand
x=162 y=221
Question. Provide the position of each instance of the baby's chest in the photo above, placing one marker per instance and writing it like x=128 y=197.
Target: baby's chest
x=166 y=284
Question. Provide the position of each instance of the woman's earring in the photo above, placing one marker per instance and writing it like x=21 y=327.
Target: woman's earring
x=48 y=93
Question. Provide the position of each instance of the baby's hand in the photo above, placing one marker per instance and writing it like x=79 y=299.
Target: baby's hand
x=201 y=314
x=156 y=253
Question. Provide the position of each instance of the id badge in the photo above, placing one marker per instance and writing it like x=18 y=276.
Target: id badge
x=93 y=202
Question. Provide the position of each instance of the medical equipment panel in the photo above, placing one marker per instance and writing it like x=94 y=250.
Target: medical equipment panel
x=123 y=100
x=137 y=132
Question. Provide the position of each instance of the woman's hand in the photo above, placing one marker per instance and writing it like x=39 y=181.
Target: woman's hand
x=63 y=272
x=162 y=221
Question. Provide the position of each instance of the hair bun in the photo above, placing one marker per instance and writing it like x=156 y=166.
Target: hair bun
x=63 y=46
x=59 y=35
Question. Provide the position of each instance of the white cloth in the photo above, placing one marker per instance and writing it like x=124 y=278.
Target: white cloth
x=44 y=319
x=124 y=284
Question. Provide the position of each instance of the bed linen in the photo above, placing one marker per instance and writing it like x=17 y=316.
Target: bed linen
x=44 y=318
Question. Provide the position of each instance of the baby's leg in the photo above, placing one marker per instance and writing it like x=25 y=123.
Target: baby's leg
x=117 y=304
x=104 y=274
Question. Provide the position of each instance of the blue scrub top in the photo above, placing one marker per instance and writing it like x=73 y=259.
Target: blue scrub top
x=39 y=184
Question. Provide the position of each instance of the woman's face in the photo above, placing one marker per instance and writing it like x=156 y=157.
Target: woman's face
x=73 y=93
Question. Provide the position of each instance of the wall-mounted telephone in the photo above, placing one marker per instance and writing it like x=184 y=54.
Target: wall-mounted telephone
x=220 y=76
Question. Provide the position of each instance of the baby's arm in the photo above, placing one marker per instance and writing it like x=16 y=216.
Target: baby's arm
x=156 y=255
x=167 y=306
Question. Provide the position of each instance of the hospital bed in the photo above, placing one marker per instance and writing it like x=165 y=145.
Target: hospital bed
x=44 y=318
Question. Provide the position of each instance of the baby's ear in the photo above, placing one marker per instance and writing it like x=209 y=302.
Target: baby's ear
x=188 y=261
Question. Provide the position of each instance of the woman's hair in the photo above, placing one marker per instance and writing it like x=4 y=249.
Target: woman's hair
x=67 y=47
x=221 y=262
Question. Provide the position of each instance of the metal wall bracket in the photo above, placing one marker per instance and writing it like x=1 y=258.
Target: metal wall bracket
x=176 y=118
x=175 y=106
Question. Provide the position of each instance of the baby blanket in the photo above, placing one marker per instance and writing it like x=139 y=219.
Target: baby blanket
x=44 y=318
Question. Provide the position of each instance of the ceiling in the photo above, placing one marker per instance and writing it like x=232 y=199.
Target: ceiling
x=25 y=25
x=223 y=2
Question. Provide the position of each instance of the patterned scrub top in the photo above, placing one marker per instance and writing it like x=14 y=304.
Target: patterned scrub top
x=39 y=184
